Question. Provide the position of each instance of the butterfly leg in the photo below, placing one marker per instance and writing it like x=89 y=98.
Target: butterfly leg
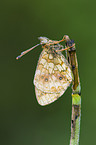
x=66 y=48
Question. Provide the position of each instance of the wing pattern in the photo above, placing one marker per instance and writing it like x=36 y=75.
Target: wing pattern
x=52 y=77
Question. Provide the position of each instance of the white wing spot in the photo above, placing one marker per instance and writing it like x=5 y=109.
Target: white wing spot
x=64 y=66
x=43 y=61
x=51 y=65
x=50 y=70
x=59 y=67
x=50 y=56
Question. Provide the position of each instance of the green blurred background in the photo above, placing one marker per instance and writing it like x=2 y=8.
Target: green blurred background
x=23 y=121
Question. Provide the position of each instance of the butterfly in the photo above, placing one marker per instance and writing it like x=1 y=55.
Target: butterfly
x=53 y=73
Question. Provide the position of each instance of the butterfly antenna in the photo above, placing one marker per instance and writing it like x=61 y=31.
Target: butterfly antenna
x=26 y=51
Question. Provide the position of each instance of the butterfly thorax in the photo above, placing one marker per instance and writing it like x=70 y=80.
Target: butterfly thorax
x=50 y=45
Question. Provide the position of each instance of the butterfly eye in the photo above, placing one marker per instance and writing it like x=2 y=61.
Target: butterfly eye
x=43 y=40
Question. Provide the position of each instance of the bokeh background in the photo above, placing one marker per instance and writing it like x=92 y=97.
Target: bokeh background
x=22 y=120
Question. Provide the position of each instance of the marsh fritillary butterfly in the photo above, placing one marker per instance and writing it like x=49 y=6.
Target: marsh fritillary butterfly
x=53 y=73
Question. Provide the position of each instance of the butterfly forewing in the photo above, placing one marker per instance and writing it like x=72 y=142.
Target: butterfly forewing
x=52 y=77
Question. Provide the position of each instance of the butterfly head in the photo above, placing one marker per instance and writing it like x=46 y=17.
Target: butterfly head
x=43 y=40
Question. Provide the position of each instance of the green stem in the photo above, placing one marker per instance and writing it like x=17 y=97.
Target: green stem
x=76 y=91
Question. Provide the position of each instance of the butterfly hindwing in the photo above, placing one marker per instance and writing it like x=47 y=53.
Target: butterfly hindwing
x=46 y=98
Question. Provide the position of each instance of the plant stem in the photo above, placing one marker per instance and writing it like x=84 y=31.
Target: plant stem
x=76 y=92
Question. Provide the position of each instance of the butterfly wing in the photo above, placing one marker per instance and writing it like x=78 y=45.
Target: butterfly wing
x=52 y=77
x=46 y=98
